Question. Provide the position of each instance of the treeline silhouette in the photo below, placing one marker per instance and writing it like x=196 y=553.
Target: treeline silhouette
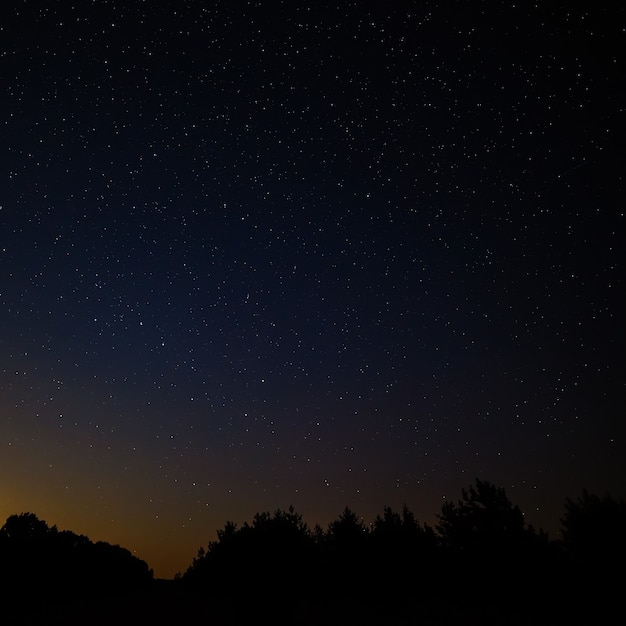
x=43 y=570
x=480 y=564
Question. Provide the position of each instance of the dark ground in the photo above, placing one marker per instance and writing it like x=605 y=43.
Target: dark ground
x=168 y=603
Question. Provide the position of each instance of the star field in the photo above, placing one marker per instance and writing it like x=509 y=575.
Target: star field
x=257 y=254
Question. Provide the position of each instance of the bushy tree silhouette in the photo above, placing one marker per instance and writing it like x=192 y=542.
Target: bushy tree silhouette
x=344 y=554
x=347 y=532
x=25 y=530
x=56 y=568
x=272 y=555
x=401 y=532
x=490 y=552
x=480 y=564
x=594 y=529
x=483 y=520
x=403 y=558
x=594 y=541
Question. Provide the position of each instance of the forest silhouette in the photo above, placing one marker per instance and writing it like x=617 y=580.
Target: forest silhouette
x=480 y=564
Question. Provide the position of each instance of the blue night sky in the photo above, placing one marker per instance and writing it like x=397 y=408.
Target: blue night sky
x=255 y=254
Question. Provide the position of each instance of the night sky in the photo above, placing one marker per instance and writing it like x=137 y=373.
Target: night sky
x=261 y=254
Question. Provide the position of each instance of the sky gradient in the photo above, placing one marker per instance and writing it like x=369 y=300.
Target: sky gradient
x=255 y=254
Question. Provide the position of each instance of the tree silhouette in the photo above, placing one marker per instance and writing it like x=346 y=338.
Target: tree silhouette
x=480 y=564
x=484 y=519
x=395 y=530
x=489 y=551
x=404 y=556
x=59 y=567
x=347 y=531
x=25 y=529
x=272 y=553
x=593 y=529
x=594 y=540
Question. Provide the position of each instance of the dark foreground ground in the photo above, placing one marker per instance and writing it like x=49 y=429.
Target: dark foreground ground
x=168 y=603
